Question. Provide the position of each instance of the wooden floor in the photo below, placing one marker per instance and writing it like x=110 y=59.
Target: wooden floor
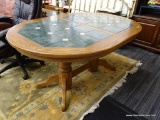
x=141 y=92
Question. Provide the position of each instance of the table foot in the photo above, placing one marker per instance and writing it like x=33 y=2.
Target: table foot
x=64 y=94
x=52 y=79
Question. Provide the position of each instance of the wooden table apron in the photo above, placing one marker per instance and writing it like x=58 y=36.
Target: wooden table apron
x=66 y=55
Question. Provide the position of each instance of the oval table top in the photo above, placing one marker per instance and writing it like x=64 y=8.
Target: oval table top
x=72 y=37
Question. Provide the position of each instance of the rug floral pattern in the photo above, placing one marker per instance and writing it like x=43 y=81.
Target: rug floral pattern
x=20 y=100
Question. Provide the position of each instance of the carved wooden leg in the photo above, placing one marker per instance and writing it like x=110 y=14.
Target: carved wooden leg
x=94 y=65
x=100 y=62
x=65 y=80
x=104 y=63
x=52 y=79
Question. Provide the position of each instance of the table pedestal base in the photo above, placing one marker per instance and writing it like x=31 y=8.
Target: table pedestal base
x=65 y=74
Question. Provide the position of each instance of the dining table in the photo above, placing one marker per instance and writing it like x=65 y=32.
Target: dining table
x=72 y=37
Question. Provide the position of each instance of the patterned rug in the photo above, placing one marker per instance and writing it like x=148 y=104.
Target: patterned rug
x=20 y=100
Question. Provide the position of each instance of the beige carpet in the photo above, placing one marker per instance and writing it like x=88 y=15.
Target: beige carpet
x=20 y=100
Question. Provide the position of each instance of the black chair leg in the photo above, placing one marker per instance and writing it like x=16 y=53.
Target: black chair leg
x=19 y=61
x=25 y=77
x=13 y=64
x=26 y=61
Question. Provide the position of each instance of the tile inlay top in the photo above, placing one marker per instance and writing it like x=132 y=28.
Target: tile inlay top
x=68 y=31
